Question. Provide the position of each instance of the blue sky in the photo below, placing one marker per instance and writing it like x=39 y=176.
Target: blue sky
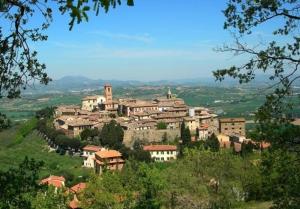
x=154 y=40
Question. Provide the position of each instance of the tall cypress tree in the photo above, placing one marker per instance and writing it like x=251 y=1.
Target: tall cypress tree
x=213 y=143
x=185 y=135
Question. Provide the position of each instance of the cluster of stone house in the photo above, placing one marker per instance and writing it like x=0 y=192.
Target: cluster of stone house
x=143 y=115
x=133 y=114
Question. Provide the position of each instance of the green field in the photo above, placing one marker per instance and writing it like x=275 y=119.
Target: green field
x=33 y=146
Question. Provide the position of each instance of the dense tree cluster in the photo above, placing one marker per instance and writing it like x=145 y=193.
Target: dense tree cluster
x=201 y=179
x=47 y=112
x=112 y=135
x=58 y=138
x=17 y=184
x=212 y=143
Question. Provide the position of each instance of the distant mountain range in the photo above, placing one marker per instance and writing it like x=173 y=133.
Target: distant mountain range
x=81 y=84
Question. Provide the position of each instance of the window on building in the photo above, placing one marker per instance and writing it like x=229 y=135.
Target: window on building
x=162 y=159
x=167 y=152
x=162 y=152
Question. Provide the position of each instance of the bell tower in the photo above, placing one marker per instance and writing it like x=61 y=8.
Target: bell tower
x=108 y=93
x=169 y=94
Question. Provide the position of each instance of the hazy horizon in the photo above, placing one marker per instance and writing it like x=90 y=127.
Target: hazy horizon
x=154 y=40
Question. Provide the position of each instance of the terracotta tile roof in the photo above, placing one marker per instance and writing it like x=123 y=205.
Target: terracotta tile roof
x=160 y=148
x=92 y=148
x=265 y=145
x=74 y=204
x=56 y=181
x=108 y=154
x=78 y=187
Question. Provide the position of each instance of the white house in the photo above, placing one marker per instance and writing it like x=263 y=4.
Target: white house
x=89 y=155
x=161 y=153
x=90 y=103
x=203 y=132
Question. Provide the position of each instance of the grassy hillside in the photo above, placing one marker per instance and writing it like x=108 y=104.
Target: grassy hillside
x=33 y=146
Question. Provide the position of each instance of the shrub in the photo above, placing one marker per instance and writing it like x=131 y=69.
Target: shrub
x=161 y=125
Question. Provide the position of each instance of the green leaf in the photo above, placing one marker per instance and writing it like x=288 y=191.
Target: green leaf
x=130 y=3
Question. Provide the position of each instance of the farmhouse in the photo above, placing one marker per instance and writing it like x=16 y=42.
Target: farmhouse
x=161 y=153
x=108 y=159
x=89 y=155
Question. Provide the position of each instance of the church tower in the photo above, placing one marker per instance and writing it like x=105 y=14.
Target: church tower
x=169 y=95
x=108 y=93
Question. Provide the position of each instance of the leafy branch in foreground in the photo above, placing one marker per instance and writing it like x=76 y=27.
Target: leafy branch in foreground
x=19 y=64
x=279 y=59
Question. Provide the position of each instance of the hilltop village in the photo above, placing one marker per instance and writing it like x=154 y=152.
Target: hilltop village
x=147 y=120
x=140 y=119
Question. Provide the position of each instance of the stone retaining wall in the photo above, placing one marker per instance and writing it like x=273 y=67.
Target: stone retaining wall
x=149 y=135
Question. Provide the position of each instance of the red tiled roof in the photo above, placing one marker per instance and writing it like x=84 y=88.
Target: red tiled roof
x=56 y=181
x=108 y=154
x=92 y=148
x=74 y=204
x=265 y=145
x=78 y=187
x=160 y=148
